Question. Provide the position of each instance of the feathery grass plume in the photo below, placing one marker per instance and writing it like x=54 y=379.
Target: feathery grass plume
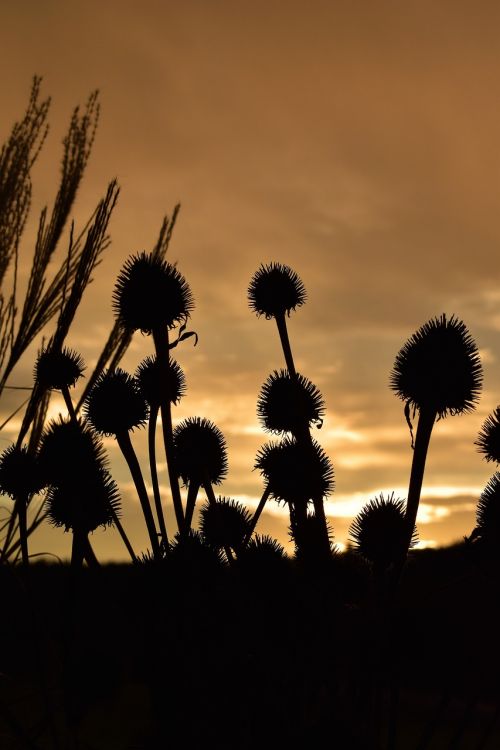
x=149 y=376
x=378 y=531
x=225 y=523
x=150 y=292
x=20 y=477
x=488 y=440
x=295 y=472
x=488 y=514
x=43 y=300
x=286 y=403
x=275 y=289
x=200 y=451
x=438 y=372
x=115 y=406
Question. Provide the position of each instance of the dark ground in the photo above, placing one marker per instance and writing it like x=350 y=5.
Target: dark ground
x=143 y=658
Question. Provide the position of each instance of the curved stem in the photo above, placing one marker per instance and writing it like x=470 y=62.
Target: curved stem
x=426 y=421
x=123 y=439
x=153 y=416
x=160 y=338
x=123 y=535
x=257 y=514
x=285 y=344
x=21 y=504
x=69 y=403
x=90 y=555
x=193 y=490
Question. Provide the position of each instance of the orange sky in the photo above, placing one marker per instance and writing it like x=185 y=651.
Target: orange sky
x=356 y=142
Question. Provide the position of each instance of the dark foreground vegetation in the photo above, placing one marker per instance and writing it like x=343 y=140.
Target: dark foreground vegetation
x=214 y=636
x=246 y=657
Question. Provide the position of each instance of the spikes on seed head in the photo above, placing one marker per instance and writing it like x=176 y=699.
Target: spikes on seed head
x=115 y=404
x=275 y=289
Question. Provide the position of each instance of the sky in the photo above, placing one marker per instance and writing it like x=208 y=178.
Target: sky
x=356 y=142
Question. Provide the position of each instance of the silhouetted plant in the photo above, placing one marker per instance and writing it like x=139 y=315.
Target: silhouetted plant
x=59 y=369
x=150 y=378
x=189 y=553
x=296 y=473
x=20 y=478
x=200 y=458
x=437 y=372
x=488 y=515
x=81 y=506
x=263 y=554
x=225 y=523
x=152 y=296
x=488 y=440
x=285 y=403
x=115 y=406
x=377 y=530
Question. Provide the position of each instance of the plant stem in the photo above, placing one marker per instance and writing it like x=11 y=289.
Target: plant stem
x=69 y=403
x=257 y=514
x=209 y=491
x=285 y=344
x=153 y=415
x=193 y=490
x=426 y=421
x=125 y=444
x=160 y=338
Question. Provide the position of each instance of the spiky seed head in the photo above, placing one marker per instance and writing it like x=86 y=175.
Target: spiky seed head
x=58 y=369
x=151 y=293
x=488 y=511
x=378 y=531
x=287 y=405
x=224 y=523
x=296 y=472
x=200 y=451
x=70 y=451
x=84 y=505
x=488 y=440
x=115 y=404
x=151 y=380
x=275 y=289
x=20 y=472
x=263 y=555
x=439 y=368
x=190 y=553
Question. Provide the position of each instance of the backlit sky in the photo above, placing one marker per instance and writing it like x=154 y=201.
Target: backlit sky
x=357 y=142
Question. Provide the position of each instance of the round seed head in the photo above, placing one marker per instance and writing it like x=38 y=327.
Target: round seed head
x=286 y=404
x=151 y=380
x=200 y=451
x=439 y=368
x=70 y=451
x=488 y=511
x=378 y=532
x=274 y=290
x=488 y=440
x=20 y=472
x=263 y=551
x=115 y=404
x=84 y=505
x=151 y=293
x=55 y=370
x=191 y=554
x=295 y=472
x=224 y=523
